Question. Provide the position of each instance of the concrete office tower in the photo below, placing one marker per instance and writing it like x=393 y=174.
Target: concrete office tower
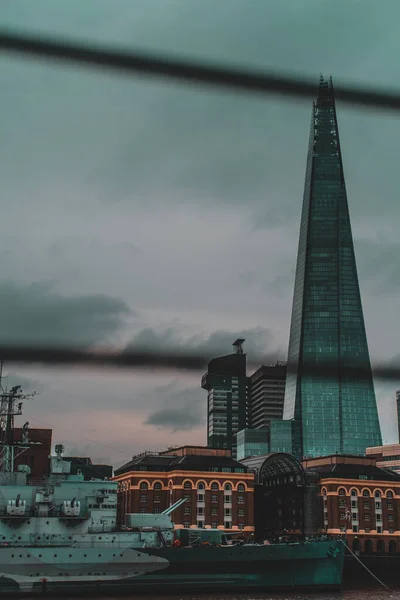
x=227 y=399
x=267 y=394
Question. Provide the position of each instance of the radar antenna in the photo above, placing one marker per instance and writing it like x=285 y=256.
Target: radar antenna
x=10 y=407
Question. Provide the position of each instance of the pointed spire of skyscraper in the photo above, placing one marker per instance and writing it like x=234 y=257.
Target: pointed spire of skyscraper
x=336 y=415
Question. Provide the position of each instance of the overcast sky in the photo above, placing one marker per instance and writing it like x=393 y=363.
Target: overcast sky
x=142 y=212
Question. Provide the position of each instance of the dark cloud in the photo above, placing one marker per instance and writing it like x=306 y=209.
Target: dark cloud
x=258 y=341
x=176 y=419
x=183 y=408
x=36 y=314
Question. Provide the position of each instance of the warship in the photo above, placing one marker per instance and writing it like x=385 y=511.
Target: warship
x=62 y=536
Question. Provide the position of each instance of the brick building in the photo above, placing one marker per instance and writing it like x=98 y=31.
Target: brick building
x=387 y=457
x=360 y=499
x=219 y=490
x=37 y=450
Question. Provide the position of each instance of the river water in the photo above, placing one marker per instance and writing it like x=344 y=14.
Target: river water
x=377 y=593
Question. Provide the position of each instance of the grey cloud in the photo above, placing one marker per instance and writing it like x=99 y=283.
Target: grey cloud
x=28 y=384
x=36 y=314
x=84 y=450
x=90 y=248
x=258 y=341
x=378 y=264
x=92 y=163
x=202 y=144
x=176 y=419
x=183 y=408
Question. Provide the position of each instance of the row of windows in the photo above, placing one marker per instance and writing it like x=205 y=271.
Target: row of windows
x=200 y=498
x=366 y=505
x=216 y=469
x=188 y=485
x=367 y=517
x=214 y=525
x=365 y=493
x=214 y=511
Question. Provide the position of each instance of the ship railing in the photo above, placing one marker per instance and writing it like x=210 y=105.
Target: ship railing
x=53 y=512
x=95 y=543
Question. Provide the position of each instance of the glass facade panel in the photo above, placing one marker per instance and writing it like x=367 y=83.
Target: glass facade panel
x=339 y=413
x=281 y=435
x=252 y=442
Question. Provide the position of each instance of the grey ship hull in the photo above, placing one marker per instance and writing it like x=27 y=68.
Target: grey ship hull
x=26 y=568
x=309 y=566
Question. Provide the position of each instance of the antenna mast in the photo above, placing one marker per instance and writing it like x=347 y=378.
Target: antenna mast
x=10 y=407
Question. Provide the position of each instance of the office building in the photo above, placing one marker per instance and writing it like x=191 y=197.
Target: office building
x=267 y=394
x=252 y=442
x=218 y=489
x=335 y=413
x=387 y=456
x=227 y=399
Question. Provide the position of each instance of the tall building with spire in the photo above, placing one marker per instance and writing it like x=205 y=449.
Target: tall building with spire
x=336 y=414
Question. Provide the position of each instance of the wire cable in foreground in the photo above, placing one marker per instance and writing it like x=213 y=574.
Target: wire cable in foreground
x=178 y=360
x=185 y=71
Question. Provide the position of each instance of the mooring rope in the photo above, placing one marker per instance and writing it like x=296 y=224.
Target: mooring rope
x=365 y=567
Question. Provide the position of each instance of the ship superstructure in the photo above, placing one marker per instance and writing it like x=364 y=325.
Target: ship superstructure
x=65 y=528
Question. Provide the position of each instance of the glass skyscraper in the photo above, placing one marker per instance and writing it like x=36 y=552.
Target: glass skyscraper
x=335 y=414
x=227 y=399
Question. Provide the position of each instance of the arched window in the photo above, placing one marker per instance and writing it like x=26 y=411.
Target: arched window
x=144 y=485
x=187 y=485
x=342 y=492
x=353 y=493
x=389 y=494
x=366 y=493
x=392 y=547
x=200 y=486
x=356 y=545
x=240 y=487
x=369 y=547
x=380 y=547
x=157 y=485
x=228 y=487
x=215 y=486
x=378 y=494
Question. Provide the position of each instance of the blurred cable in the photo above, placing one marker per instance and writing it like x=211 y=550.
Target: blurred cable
x=138 y=359
x=188 y=71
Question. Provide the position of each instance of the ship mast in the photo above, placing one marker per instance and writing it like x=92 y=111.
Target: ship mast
x=10 y=407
